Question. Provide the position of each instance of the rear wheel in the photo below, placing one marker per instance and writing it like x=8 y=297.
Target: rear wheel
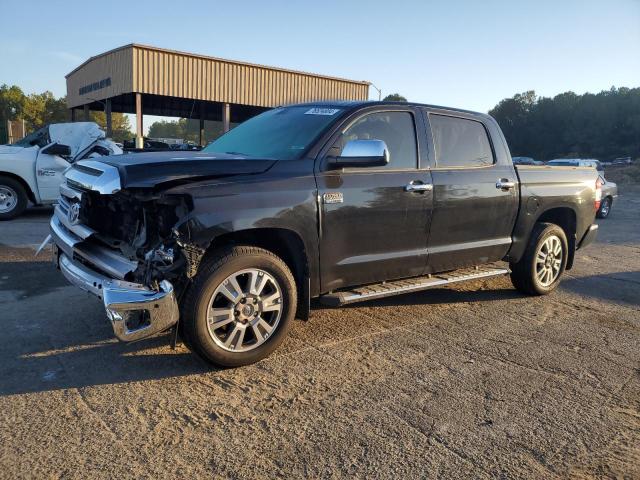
x=605 y=208
x=239 y=307
x=539 y=270
x=13 y=198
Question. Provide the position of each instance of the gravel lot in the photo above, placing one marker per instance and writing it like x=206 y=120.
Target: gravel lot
x=472 y=381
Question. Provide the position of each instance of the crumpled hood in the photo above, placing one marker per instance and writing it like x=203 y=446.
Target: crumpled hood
x=78 y=136
x=147 y=170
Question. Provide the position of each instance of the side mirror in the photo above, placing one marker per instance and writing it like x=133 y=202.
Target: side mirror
x=362 y=153
x=57 y=149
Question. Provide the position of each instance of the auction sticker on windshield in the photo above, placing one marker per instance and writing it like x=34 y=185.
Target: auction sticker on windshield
x=322 y=111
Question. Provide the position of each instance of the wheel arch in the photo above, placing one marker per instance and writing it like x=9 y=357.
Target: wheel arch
x=565 y=218
x=30 y=194
x=286 y=244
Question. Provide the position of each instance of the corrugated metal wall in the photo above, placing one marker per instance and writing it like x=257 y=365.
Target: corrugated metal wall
x=164 y=72
x=116 y=65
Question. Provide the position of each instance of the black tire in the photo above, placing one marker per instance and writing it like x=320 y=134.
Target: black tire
x=605 y=208
x=524 y=274
x=212 y=273
x=15 y=195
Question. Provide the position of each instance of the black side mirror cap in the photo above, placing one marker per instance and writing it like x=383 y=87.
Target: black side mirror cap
x=58 y=149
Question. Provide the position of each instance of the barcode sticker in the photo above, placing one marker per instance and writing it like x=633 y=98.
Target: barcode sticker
x=322 y=111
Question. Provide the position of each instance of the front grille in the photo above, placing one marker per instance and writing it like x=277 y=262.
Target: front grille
x=64 y=204
x=76 y=185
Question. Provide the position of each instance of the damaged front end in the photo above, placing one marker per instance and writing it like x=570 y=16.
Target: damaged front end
x=123 y=246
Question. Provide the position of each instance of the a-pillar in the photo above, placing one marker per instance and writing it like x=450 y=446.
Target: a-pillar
x=139 y=131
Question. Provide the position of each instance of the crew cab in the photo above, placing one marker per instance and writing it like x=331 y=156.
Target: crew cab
x=339 y=202
x=31 y=169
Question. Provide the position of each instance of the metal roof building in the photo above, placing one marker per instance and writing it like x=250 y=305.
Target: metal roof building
x=147 y=80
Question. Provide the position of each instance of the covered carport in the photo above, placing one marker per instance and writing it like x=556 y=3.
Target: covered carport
x=144 y=80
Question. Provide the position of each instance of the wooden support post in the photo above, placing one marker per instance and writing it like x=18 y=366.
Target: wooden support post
x=139 y=130
x=226 y=117
x=107 y=111
x=202 y=124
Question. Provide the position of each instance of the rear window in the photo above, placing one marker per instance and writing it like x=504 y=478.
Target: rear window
x=460 y=142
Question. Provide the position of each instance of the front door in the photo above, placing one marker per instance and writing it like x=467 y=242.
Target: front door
x=49 y=175
x=372 y=227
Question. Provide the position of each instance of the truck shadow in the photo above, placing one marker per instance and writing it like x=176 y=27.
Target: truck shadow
x=617 y=287
x=58 y=338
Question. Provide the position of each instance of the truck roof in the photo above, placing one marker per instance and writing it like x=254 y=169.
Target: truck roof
x=362 y=103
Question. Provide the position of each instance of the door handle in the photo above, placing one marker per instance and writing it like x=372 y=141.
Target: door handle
x=505 y=184
x=418 y=187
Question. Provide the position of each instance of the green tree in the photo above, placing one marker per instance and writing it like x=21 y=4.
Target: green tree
x=185 y=129
x=120 y=125
x=43 y=108
x=394 y=97
x=603 y=125
x=12 y=101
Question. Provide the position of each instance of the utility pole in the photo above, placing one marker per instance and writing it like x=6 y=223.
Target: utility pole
x=379 y=91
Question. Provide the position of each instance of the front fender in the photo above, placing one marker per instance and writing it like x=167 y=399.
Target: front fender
x=22 y=164
x=274 y=201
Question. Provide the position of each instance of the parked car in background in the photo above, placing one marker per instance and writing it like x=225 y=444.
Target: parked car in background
x=149 y=145
x=525 y=161
x=609 y=192
x=622 y=161
x=32 y=168
x=341 y=201
x=184 y=146
x=576 y=162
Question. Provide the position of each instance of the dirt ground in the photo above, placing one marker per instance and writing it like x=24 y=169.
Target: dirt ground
x=474 y=381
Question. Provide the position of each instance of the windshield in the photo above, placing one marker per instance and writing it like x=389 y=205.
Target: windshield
x=283 y=133
x=39 y=137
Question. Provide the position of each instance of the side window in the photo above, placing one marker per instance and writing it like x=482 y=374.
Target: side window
x=396 y=129
x=460 y=142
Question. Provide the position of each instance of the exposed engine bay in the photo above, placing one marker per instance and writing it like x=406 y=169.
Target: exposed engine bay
x=140 y=226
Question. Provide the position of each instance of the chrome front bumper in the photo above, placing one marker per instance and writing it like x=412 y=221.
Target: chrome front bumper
x=134 y=310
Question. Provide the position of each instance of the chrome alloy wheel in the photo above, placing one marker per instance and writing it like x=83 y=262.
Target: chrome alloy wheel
x=549 y=260
x=8 y=199
x=604 y=209
x=244 y=310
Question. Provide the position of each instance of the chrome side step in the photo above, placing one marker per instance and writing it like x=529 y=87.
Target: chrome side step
x=408 y=285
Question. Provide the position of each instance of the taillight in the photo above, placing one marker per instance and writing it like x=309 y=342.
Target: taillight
x=598 y=194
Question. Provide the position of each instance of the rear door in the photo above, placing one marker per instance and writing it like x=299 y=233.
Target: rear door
x=475 y=192
x=372 y=228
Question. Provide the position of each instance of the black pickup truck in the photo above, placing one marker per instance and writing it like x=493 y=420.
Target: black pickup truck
x=339 y=201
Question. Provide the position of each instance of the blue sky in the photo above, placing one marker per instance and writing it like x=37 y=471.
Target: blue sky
x=458 y=53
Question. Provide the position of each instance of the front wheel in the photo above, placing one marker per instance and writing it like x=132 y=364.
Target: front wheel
x=539 y=270
x=239 y=306
x=13 y=198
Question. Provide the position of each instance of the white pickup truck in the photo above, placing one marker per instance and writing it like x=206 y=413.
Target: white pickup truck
x=32 y=168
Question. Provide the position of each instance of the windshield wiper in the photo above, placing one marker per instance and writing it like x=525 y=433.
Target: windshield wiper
x=237 y=153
